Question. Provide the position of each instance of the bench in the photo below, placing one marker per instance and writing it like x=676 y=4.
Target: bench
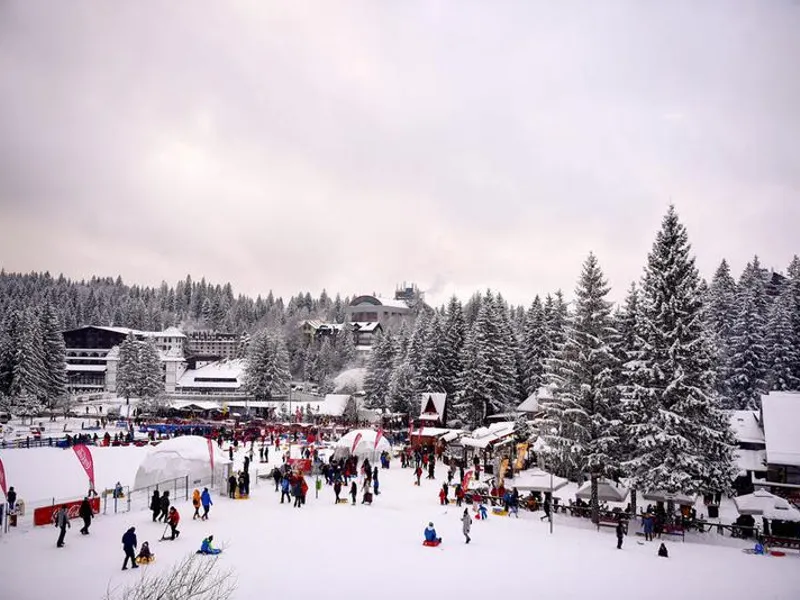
x=607 y=522
x=674 y=530
x=781 y=542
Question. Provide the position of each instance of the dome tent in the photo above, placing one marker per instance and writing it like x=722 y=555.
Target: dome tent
x=366 y=445
x=179 y=457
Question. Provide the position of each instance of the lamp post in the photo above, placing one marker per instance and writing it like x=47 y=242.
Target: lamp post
x=551 y=501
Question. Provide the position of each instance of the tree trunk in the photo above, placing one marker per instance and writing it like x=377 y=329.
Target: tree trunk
x=594 y=500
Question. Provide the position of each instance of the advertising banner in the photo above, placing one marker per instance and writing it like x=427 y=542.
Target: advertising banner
x=85 y=458
x=44 y=515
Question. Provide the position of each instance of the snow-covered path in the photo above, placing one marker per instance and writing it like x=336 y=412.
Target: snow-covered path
x=340 y=551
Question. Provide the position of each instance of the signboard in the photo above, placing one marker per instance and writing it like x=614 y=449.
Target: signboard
x=300 y=464
x=44 y=515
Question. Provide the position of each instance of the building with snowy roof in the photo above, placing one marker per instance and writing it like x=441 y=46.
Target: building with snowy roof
x=220 y=377
x=432 y=407
x=369 y=309
x=780 y=416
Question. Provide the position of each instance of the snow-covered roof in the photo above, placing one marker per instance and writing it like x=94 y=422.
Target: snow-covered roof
x=184 y=455
x=231 y=370
x=530 y=404
x=535 y=480
x=86 y=368
x=750 y=460
x=334 y=405
x=761 y=502
x=437 y=399
x=365 y=326
x=746 y=427
x=370 y=301
x=201 y=404
x=607 y=491
x=781 y=412
x=168 y=332
x=484 y=436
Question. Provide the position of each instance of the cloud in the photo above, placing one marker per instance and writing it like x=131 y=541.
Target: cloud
x=298 y=146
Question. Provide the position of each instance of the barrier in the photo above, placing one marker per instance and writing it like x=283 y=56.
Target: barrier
x=44 y=515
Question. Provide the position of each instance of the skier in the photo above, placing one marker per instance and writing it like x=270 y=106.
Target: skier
x=430 y=535
x=129 y=545
x=196 y=504
x=207 y=548
x=353 y=491
x=337 y=489
x=205 y=500
x=662 y=551
x=164 y=507
x=85 y=513
x=62 y=522
x=155 y=505
x=173 y=520
x=620 y=533
x=466 y=524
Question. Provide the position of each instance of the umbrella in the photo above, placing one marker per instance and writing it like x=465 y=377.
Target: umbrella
x=662 y=496
x=606 y=491
x=536 y=480
x=768 y=505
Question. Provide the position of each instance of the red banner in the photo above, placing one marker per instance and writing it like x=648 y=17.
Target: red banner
x=3 y=480
x=211 y=453
x=85 y=458
x=355 y=443
x=300 y=464
x=44 y=515
x=466 y=481
x=378 y=438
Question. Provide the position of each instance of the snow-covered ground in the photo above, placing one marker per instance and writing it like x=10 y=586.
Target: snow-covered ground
x=341 y=551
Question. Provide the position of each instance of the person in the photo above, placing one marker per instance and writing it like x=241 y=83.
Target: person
x=11 y=497
x=375 y=484
x=418 y=474
x=620 y=533
x=647 y=525
x=483 y=512
x=145 y=556
x=117 y=491
x=276 y=476
x=207 y=548
x=196 y=504
x=155 y=505
x=297 y=492
x=205 y=500
x=230 y=453
x=367 y=499
x=430 y=535
x=164 y=507
x=173 y=520
x=285 y=488
x=337 y=489
x=232 y=486
x=459 y=495
x=353 y=491
x=129 y=545
x=546 y=509
x=443 y=494
x=62 y=522
x=466 y=524
x=85 y=513
x=662 y=551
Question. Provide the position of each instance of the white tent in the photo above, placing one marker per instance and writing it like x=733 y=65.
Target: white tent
x=365 y=446
x=768 y=505
x=606 y=491
x=662 y=496
x=182 y=456
x=535 y=480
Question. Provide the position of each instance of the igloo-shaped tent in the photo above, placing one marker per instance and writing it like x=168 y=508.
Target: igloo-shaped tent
x=181 y=456
x=366 y=444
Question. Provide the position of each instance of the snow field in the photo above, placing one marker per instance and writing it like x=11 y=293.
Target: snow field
x=341 y=551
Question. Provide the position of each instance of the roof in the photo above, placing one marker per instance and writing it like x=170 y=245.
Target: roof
x=232 y=370
x=334 y=405
x=750 y=460
x=366 y=326
x=168 y=332
x=746 y=427
x=437 y=399
x=368 y=300
x=86 y=368
x=484 y=436
x=781 y=412
x=530 y=404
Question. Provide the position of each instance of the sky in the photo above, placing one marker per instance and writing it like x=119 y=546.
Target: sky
x=353 y=146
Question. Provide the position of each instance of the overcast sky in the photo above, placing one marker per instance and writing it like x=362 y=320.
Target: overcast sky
x=352 y=146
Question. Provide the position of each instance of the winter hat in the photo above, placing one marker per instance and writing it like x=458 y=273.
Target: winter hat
x=430 y=524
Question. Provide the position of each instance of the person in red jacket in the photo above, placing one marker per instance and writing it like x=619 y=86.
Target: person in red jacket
x=173 y=519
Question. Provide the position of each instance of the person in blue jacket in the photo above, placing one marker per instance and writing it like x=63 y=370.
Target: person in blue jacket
x=285 y=489
x=430 y=534
x=207 y=548
x=205 y=500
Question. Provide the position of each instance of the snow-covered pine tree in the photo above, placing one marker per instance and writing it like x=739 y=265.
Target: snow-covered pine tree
x=534 y=347
x=401 y=383
x=684 y=441
x=150 y=381
x=782 y=354
x=54 y=352
x=379 y=371
x=454 y=333
x=128 y=368
x=433 y=369
x=345 y=346
x=324 y=362
x=471 y=402
x=748 y=352
x=267 y=372
x=9 y=336
x=417 y=345
x=720 y=312
x=585 y=410
x=793 y=285
x=29 y=377
x=556 y=313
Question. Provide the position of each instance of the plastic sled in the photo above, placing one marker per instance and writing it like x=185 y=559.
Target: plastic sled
x=242 y=497
x=145 y=561
x=499 y=511
x=431 y=544
x=777 y=553
x=342 y=501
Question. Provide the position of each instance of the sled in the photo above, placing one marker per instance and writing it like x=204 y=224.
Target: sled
x=499 y=511
x=239 y=496
x=140 y=560
x=431 y=544
x=342 y=501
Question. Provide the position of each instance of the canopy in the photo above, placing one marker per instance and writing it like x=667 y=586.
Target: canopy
x=365 y=446
x=181 y=456
x=762 y=502
x=606 y=491
x=662 y=496
x=535 y=480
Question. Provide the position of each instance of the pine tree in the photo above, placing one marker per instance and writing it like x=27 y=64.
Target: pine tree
x=267 y=372
x=345 y=346
x=793 y=289
x=780 y=348
x=470 y=406
x=149 y=380
x=29 y=376
x=748 y=352
x=583 y=422
x=534 y=347
x=720 y=315
x=401 y=384
x=684 y=440
x=379 y=372
x=9 y=338
x=128 y=368
x=55 y=352
x=433 y=371
x=454 y=333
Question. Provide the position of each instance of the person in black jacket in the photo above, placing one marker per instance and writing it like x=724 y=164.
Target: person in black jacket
x=85 y=513
x=11 y=498
x=129 y=546
x=620 y=533
x=155 y=505
x=232 y=486
x=164 y=507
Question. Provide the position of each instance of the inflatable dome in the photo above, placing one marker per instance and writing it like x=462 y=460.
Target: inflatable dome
x=366 y=444
x=181 y=456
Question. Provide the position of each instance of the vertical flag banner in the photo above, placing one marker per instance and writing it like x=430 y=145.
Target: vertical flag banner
x=3 y=479
x=355 y=443
x=211 y=453
x=466 y=481
x=378 y=438
x=85 y=458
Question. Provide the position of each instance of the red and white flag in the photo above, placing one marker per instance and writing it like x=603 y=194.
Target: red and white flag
x=378 y=438
x=85 y=458
x=355 y=443
x=3 y=479
x=211 y=453
x=466 y=481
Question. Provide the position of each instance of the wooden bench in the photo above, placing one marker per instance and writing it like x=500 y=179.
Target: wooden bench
x=781 y=542
x=676 y=530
